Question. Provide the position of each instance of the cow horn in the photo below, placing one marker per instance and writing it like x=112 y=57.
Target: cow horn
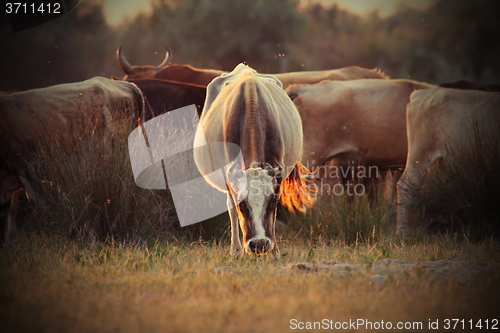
x=236 y=172
x=168 y=58
x=127 y=68
x=309 y=177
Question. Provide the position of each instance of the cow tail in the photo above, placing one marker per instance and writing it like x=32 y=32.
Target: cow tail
x=140 y=112
x=298 y=190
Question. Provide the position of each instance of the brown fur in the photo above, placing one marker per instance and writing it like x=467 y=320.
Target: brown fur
x=359 y=119
x=298 y=192
x=174 y=72
x=163 y=95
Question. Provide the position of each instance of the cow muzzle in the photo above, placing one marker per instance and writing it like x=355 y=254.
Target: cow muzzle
x=259 y=246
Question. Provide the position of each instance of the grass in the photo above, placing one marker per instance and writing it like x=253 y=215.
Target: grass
x=51 y=284
x=88 y=189
x=103 y=255
x=335 y=220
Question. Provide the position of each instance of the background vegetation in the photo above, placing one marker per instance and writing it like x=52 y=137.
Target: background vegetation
x=447 y=42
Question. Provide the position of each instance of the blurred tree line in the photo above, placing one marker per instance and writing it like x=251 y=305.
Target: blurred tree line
x=449 y=41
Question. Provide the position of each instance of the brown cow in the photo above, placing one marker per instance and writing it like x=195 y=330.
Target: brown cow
x=187 y=73
x=167 y=71
x=360 y=121
x=162 y=95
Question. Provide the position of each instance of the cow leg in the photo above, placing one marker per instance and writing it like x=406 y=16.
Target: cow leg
x=31 y=192
x=404 y=197
x=235 y=228
x=410 y=180
x=330 y=181
x=10 y=220
x=275 y=251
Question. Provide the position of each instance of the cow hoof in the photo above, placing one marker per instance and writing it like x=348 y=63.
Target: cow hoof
x=276 y=251
x=236 y=252
x=402 y=231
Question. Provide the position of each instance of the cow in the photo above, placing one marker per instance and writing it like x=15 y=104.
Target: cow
x=189 y=74
x=353 y=129
x=340 y=74
x=467 y=85
x=441 y=121
x=36 y=118
x=167 y=71
x=10 y=185
x=162 y=95
x=252 y=111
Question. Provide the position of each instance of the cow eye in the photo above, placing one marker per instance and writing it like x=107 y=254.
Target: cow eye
x=276 y=188
x=243 y=208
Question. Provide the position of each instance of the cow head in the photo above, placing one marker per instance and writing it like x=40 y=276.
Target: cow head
x=137 y=72
x=255 y=192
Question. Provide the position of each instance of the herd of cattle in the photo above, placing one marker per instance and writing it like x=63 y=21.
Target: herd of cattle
x=281 y=122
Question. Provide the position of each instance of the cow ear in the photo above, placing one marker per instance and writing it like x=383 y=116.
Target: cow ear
x=275 y=173
x=237 y=182
x=278 y=172
x=235 y=172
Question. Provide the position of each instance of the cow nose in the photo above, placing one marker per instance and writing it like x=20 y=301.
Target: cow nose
x=259 y=246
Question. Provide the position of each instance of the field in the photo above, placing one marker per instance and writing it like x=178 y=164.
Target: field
x=52 y=284
x=102 y=255
x=97 y=253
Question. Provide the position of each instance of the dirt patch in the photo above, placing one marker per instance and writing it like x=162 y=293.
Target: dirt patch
x=381 y=270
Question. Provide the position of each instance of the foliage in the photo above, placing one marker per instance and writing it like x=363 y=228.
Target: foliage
x=73 y=47
x=446 y=42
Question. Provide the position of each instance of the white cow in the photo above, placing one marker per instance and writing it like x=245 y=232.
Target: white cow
x=252 y=111
x=441 y=121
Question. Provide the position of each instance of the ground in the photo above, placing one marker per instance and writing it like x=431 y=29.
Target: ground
x=57 y=285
